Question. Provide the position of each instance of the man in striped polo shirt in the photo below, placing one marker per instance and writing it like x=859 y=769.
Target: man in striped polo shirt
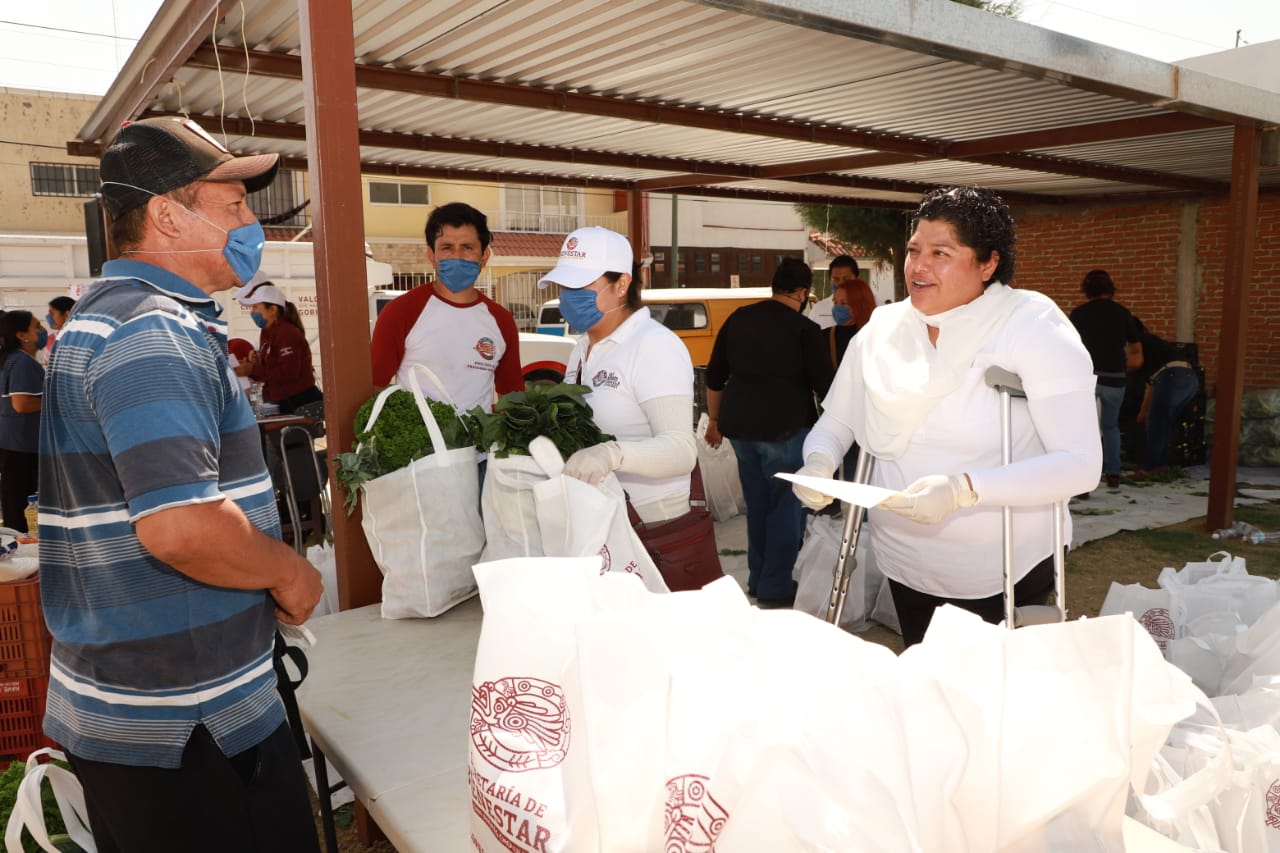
x=162 y=569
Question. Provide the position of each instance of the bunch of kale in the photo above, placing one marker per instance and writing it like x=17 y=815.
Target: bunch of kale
x=397 y=438
x=559 y=412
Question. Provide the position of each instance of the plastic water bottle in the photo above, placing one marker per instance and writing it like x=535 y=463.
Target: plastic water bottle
x=33 y=515
x=255 y=399
x=1246 y=531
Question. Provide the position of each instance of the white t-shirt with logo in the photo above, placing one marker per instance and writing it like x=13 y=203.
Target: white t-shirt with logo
x=642 y=360
x=462 y=345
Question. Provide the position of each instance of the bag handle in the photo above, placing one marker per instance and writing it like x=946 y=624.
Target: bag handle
x=433 y=428
x=28 y=811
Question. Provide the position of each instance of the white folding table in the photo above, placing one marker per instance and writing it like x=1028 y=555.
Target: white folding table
x=387 y=703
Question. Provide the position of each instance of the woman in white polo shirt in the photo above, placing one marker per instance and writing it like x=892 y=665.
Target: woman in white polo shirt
x=639 y=373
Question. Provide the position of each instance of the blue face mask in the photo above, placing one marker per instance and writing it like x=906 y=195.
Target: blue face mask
x=258 y=319
x=579 y=308
x=841 y=314
x=457 y=274
x=48 y=320
x=244 y=249
x=42 y=339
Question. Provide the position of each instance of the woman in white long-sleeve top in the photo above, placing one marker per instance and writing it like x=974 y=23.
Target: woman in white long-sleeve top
x=912 y=392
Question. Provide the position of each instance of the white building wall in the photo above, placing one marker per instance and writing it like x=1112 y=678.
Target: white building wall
x=727 y=222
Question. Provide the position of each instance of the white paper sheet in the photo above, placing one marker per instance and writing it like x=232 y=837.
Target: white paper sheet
x=857 y=494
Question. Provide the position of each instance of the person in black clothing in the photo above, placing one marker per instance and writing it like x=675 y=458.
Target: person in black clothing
x=768 y=363
x=1110 y=335
x=1171 y=383
x=21 y=396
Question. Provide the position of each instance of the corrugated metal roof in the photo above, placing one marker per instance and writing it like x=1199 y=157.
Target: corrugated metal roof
x=746 y=91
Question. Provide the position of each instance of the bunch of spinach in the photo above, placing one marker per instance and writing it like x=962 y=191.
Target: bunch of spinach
x=398 y=437
x=559 y=412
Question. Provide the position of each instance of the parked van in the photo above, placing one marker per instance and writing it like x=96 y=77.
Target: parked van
x=694 y=313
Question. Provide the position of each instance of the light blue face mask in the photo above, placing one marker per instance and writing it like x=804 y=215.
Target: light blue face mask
x=841 y=314
x=579 y=308
x=243 y=250
x=457 y=274
x=258 y=319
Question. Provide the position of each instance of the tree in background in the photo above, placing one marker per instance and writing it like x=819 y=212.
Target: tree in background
x=879 y=232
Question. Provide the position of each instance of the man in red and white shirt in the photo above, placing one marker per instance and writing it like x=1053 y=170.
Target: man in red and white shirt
x=467 y=340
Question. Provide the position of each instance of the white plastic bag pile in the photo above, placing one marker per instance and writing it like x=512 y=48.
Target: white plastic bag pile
x=608 y=718
x=1217 y=779
x=1212 y=619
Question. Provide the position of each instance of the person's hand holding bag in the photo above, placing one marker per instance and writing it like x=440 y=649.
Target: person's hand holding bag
x=593 y=464
x=815 y=465
x=931 y=499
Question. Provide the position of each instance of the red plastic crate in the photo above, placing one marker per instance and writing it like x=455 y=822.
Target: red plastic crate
x=22 y=716
x=24 y=637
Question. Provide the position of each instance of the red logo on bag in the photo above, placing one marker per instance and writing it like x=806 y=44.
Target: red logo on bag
x=520 y=724
x=693 y=819
x=1273 y=805
x=1159 y=625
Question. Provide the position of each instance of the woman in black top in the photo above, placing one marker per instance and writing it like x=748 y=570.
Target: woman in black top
x=21 y=387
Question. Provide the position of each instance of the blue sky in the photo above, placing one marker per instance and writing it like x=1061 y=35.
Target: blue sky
x=78 y=45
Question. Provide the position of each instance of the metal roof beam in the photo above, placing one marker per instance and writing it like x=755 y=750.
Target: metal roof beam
x=178 y=26
x=957 y=33
x=1080 y=169
x=510 y=94
x=444 y=86
x=484 y=148
x=1081 y=134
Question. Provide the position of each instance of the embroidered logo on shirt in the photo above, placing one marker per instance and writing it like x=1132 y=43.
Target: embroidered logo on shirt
x=604 y=377
x=485 y=347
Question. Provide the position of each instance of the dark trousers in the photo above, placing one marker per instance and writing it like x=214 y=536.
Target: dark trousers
x=19 y=479
x=915 y=608
x=253 y=802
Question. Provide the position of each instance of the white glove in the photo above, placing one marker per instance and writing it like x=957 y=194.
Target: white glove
x=931 y=499
x=593 y=464
x=815 y=465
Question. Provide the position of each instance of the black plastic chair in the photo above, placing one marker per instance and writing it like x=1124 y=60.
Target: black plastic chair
x=305 y=479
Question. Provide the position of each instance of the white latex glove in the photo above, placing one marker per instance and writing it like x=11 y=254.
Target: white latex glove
x=931 y=499
x=815 y=465
x=593 y=464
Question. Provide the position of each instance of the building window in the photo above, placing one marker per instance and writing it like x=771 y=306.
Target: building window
x=283 y=201
x=742 y=263
x=550 y=210
x=699 y=262
x=659 y=261
x=64 y=179
x=757 y=263
x=388 y=192
x=715 y=262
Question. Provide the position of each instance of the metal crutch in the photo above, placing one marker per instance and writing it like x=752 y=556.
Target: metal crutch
x=1009 y=385
x=848 y=561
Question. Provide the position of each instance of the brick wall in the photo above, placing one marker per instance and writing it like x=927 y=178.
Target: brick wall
x=1138 y=246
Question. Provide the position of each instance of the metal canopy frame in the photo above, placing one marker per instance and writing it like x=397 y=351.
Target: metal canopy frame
x=826 y=101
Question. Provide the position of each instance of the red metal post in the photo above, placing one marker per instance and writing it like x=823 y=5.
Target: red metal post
x=337 y=211
x=1242 y=222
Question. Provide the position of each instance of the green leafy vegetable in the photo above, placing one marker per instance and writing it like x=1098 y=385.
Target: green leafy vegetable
x=397 y=438
x=559 y=412
x=9 y=783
